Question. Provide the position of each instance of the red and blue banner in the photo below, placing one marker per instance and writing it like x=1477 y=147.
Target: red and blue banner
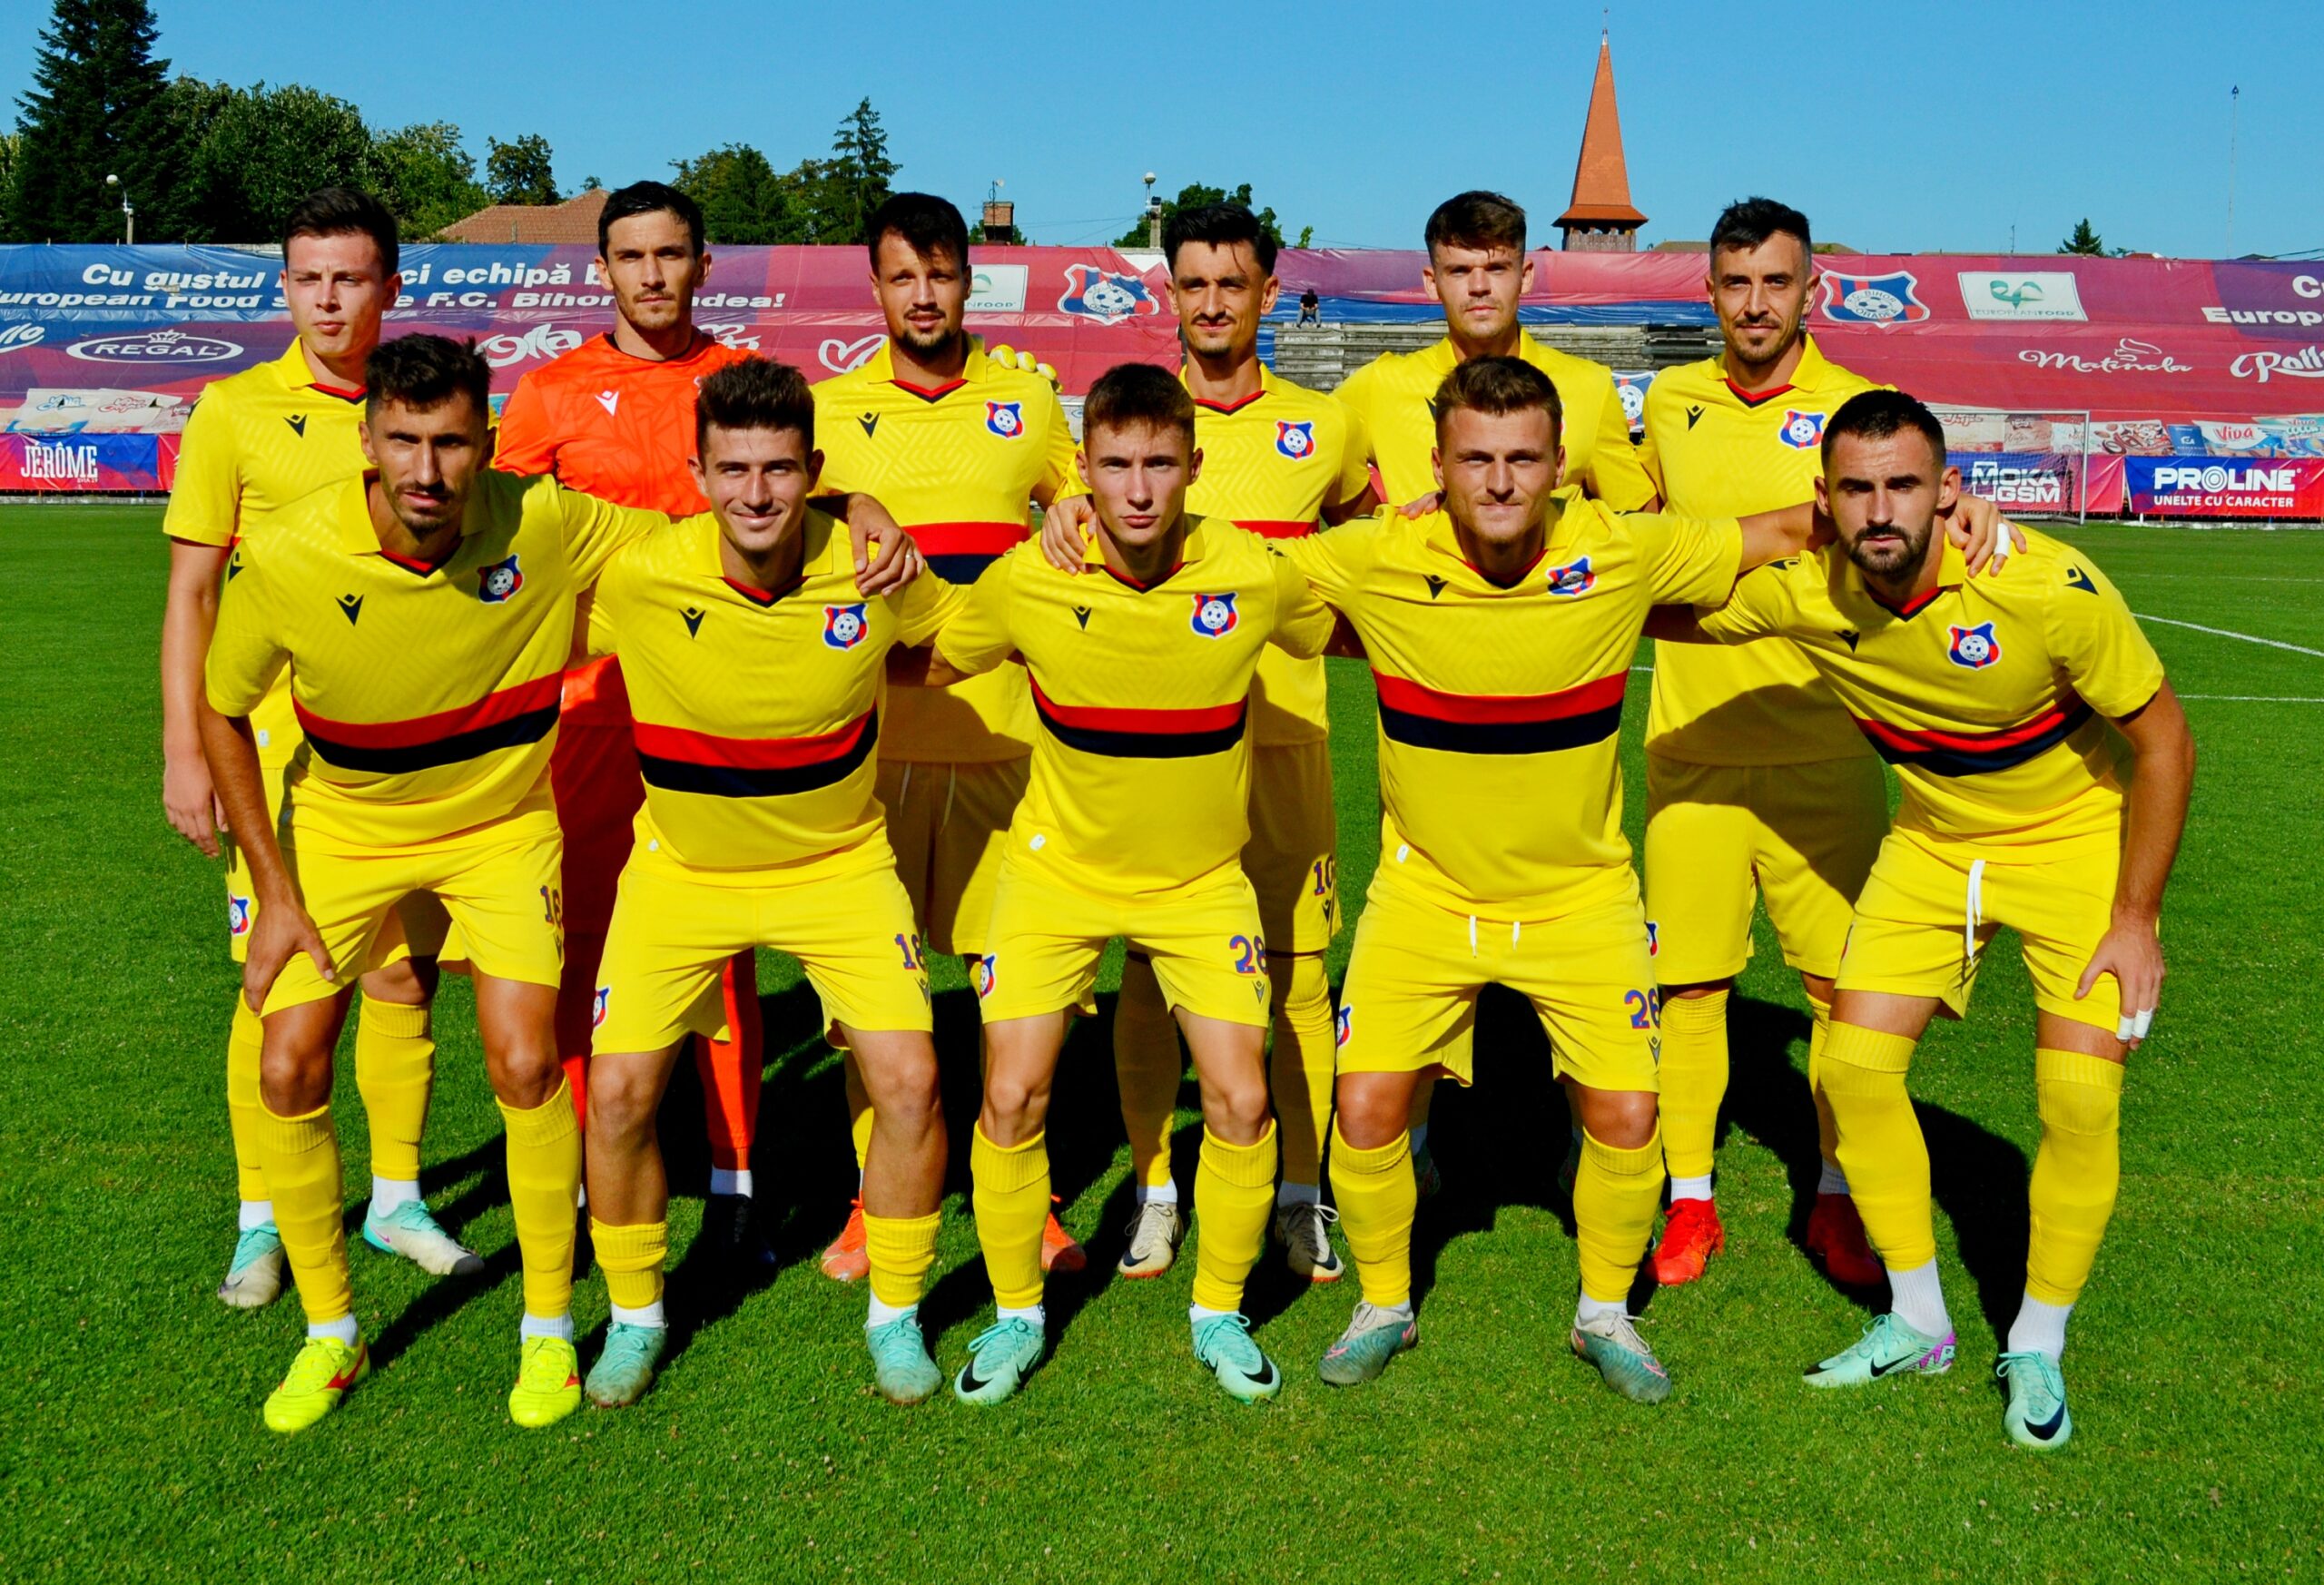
x=2217 y=487
x=42 y=464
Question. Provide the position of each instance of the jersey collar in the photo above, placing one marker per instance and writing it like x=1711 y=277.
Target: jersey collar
x=1952 y=572
x=1197 y=542
x=1813 y=373
x=297 y=374
x=356 y=535
x=881 y=368
x=824 y=540
x=1437 y=532
x=1267 y=384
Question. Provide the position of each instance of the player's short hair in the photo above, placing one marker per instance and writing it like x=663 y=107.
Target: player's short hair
x=1876 y=415
x=425 y=372
x=1498 y=386
x=1749 y=222
x=1138 y=393
x=1222 y=225
x=648 y=198
x=1475 y=219
x=756 y=393
x=926 y=223
x=344 y=212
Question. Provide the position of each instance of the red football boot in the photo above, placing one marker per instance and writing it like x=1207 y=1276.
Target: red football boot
x=847 y=1260
x=1835 y=1234
x=1691 y=1236
x=1060 y=1252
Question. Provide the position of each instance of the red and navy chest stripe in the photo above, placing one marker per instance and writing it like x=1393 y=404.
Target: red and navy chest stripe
x=507 y=718
x=1500 y=724
x=682 y=761
x=959 y=552
x=1142 y=734
x=1974 y=754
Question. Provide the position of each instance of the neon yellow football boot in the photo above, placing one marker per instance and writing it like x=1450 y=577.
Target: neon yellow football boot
x=319 y=1379
x=549 y=1383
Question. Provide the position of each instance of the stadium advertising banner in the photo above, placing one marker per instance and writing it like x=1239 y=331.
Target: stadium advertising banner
x=107 y=338
x=42 y=464
x=2210 y=487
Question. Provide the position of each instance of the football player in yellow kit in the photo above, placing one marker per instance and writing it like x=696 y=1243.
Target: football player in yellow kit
x=1280 y=460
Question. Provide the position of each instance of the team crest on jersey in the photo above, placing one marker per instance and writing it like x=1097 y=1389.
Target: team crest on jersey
x=1872 y=300
x=1340 y=1025
x=1973 y=648
x=1005 y=419
x=1801 y=431
x=982 y=975
x=498 y=583
x=598 y=1007
x=1573 y=578
x=1091 y=293
x=1653 y=939
x=237 y=915
x=1296 y=441
x=1214 y=615
x=844 y=626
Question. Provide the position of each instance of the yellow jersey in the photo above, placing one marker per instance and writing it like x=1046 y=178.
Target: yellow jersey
x=1141 y=772
x=1271 y=462
x=254 y=441
x=1715 y=450
x=961 y=466
x=428 y=694
x=1501 y=708
x=757 y=715
x=1988 y=695
x=1390 y=399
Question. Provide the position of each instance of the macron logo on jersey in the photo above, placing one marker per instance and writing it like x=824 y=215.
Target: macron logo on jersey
x=1801 y=431
x=1005 y=419
x=609 y=400
x=1214 y=615
x=1971 y=648
x=1296 y=441
x=497 y=583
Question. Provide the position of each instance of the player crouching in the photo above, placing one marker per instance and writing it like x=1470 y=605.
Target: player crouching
x=754 y=668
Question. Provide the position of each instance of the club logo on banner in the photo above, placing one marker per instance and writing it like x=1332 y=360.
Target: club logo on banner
x=1091 y=293
x=1873 y=299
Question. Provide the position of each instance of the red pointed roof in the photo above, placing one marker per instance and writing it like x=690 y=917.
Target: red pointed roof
x=1602 y=179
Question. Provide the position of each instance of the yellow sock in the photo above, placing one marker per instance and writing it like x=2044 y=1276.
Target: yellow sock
x=1234 y=1192
x=858 y=1110
x=245 y=1115
x=1300 y=1069
x=1148 y=1066
x=300 y=1157
x=1615 y=1193
x=1376 y=1195
x=631 y=1256
x=901 y=1249
x=544 y=1172
x=1827 y=1133
x=2077 y=1171
x=1880 y=1145
x=1011 y=1195
x=1694 y=1080
x=395 y=1070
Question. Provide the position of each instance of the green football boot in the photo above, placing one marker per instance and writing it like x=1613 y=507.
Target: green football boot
x=1003 y=1354
x=1888 y=1347
x=1629 y=1366
x=625 y=1365
x=1372 y=1339
x=900 y=1362
x=2036 y=1416
x=1223 y=1344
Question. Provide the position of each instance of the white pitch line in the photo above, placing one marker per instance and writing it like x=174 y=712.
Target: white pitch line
x=2227 y=632
x=2253 y=698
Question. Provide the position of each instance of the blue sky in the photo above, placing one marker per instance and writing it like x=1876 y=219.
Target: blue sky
x=1897 y=126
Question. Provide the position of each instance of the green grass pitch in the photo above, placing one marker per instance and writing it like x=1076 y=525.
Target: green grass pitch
x=131 y=1445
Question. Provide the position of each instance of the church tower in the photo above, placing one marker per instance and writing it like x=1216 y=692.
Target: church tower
x=1601 y=220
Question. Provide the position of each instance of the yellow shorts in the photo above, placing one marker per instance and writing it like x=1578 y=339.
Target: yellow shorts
x=1928 y=897
x=1290 y=858
x=845 y=918
x=500 y=883
x=949 y=825
x=1411 y=998
x=1208 y=953
x=1801 y=836
x=419 y=927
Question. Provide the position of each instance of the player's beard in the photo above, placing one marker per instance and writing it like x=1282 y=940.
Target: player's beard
x=931 y=346
x=1891 y=561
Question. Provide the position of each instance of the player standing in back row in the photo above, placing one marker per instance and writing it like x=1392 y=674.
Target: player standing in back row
x=959 y=447
x=1756 y=780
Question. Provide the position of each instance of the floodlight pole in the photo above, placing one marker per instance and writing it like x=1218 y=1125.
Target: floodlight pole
x=1153 y=215
x=2234 y=103
x=128 y=214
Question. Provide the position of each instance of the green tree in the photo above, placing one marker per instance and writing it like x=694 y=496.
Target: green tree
x=746 y=201
x=424 y=177
x=2084 y=240
x=262 y=150
x=95 y=109
x=1194 y=195
x=855 y=180
x=519 y=173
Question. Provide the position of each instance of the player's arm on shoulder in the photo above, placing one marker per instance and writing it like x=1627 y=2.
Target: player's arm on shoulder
x=1332 y=562
x=1352 y=495
x=1067 y=527
x=887 y=558
x=1761 y=603
x=979 y=636
x=1303 y=622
